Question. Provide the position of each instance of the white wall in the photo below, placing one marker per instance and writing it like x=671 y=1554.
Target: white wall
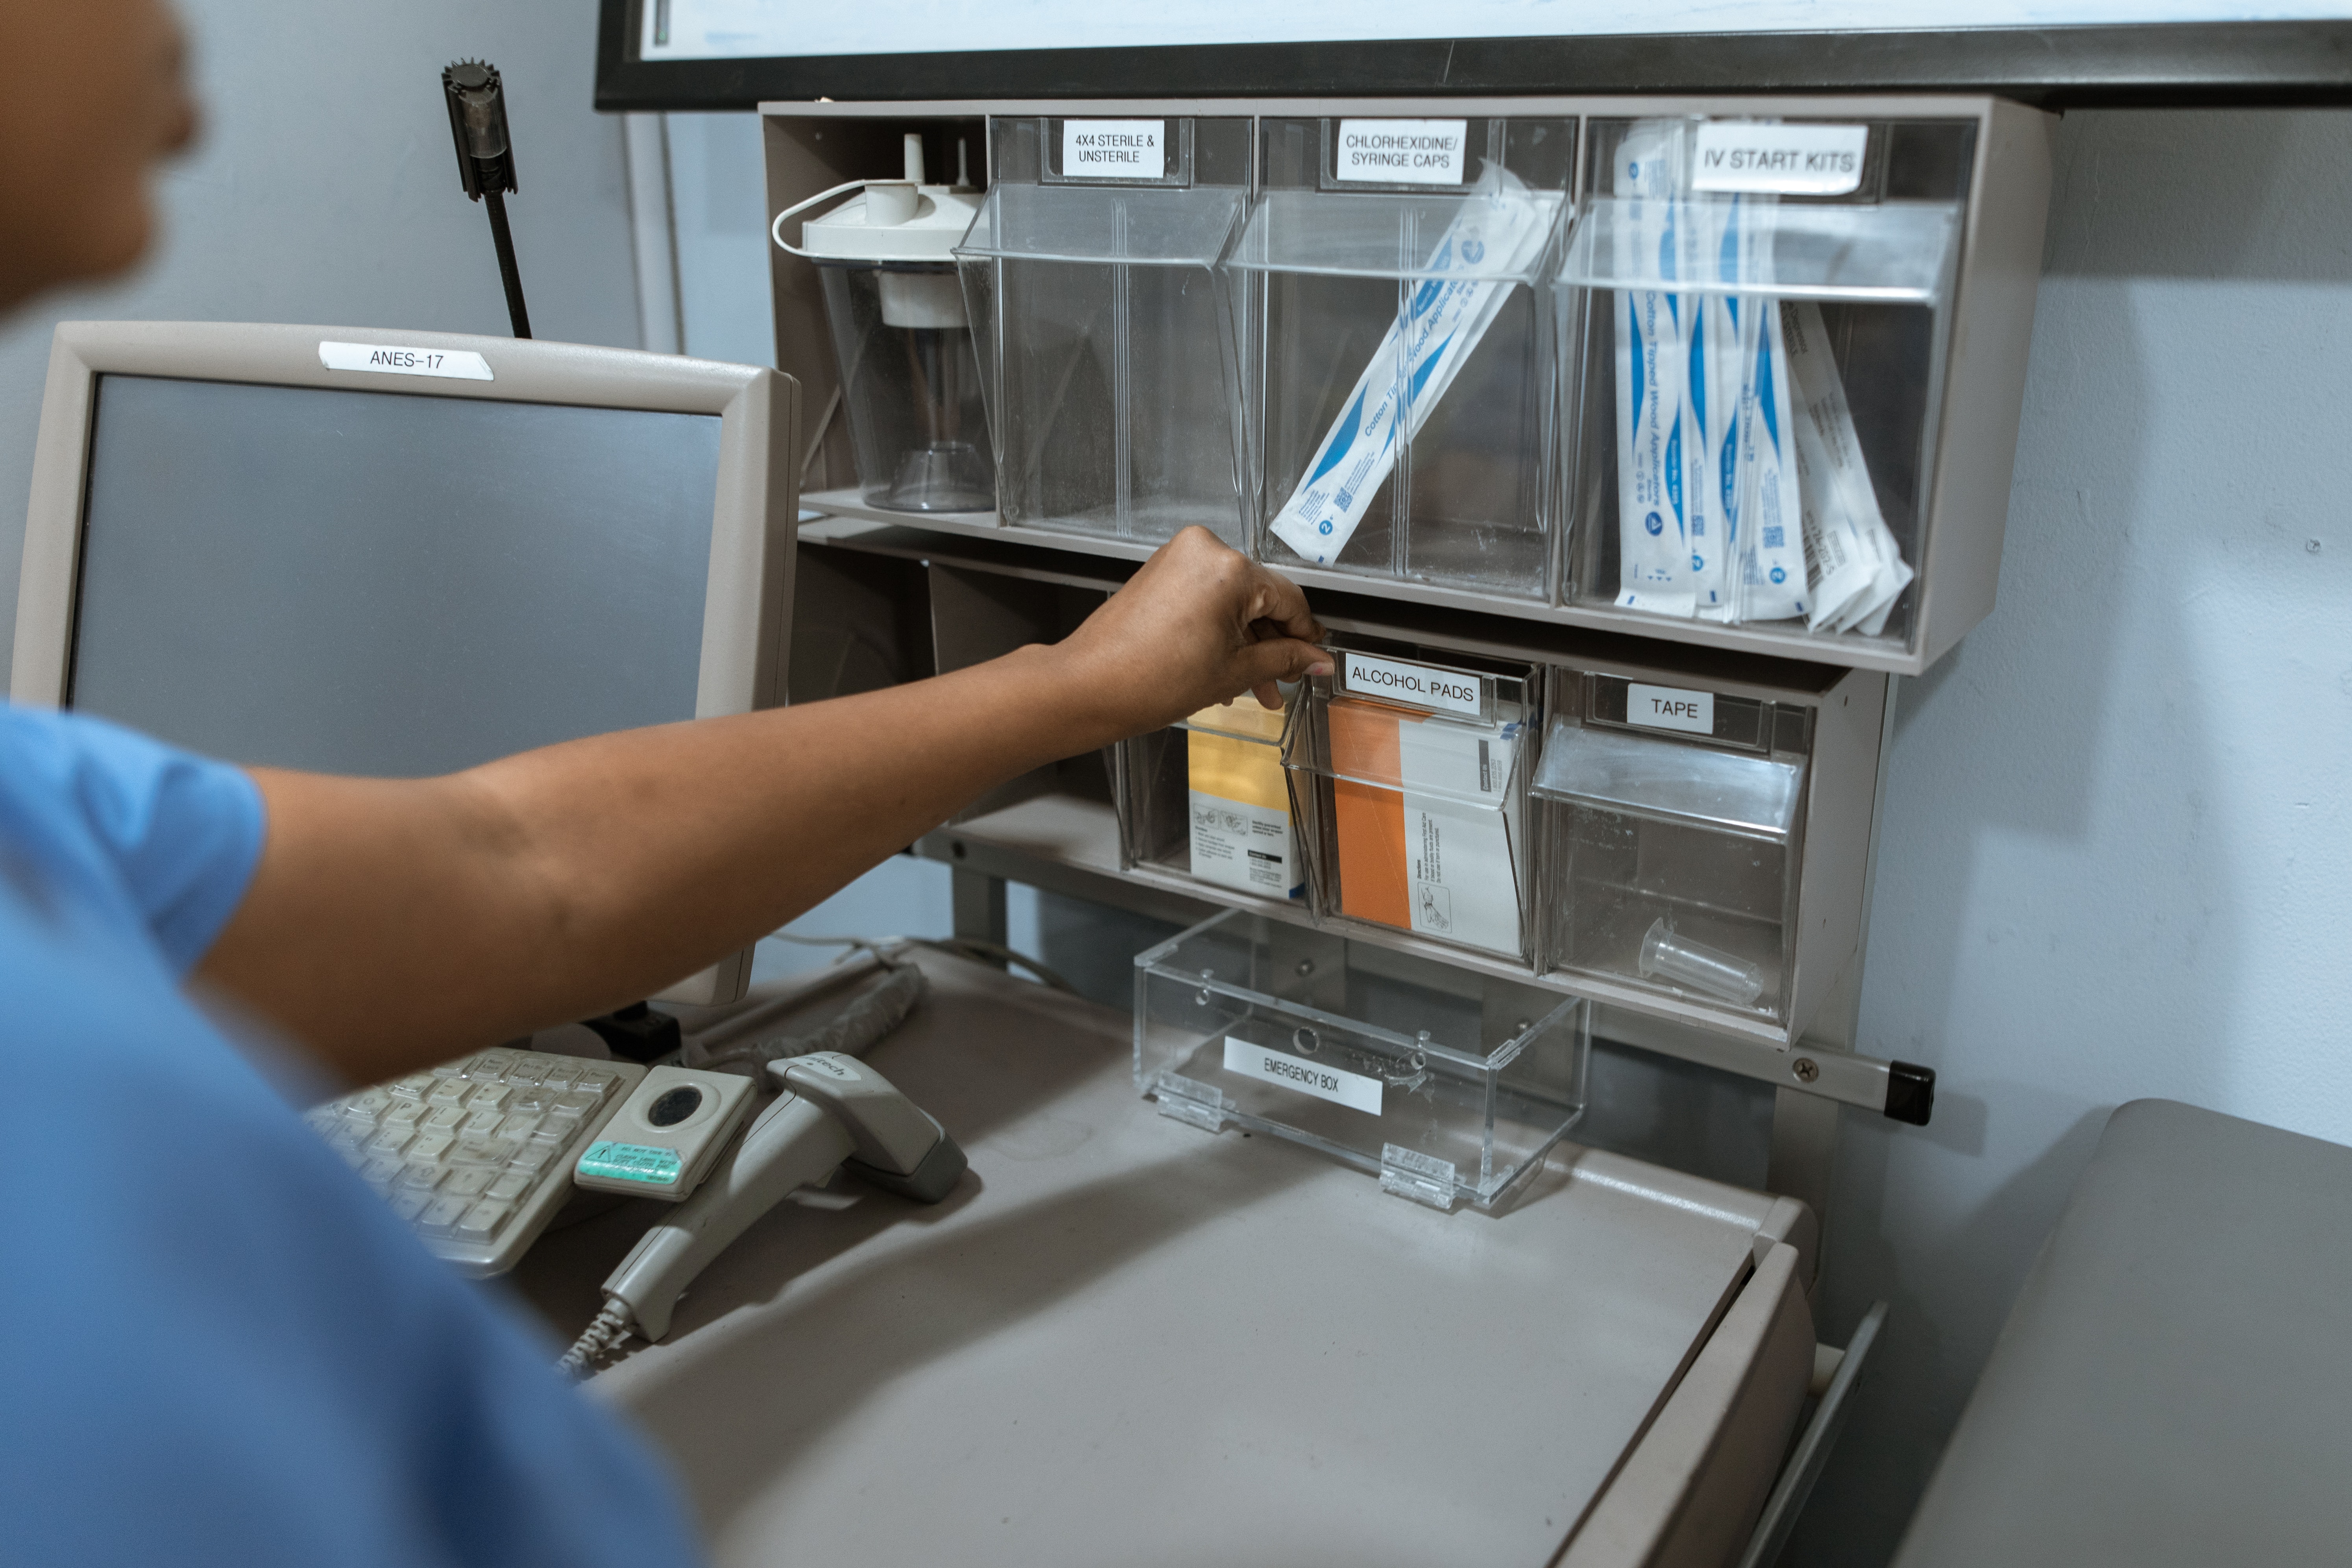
x=2116 y=859
x=326 y=190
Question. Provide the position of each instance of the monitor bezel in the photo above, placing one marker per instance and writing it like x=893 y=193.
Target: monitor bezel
x=748 y=594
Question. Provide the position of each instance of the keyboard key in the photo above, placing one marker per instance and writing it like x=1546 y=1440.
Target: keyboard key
x=353 y=1155
x=489 y=1064
x=562 y=1074
x=404 y=1114
x=533 y=1100
x=508 y=1188
x=481 y=1123
x=367 y=1105
x=420 y=1176
x=414 y=1086
x=483 y=1221
x=489 y=1097
x=598 y=1081
x=444 y=1118
x=390 y=1141
x=448 y=1091
x=441 y=1215
x=574 y=1104
x=533 y=1157
x=518 y=1126
x=431 y=1145
x=527 y=1069
x=466 y=1181
x=408 y=1206
x=491 y=1151
x=382 y=1171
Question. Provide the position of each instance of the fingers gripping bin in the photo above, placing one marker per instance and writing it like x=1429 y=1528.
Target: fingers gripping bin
x=1397 y=369
x=1410 y=778
x=1207 y=800
x=1702 y=848
x=1103 y=346
x=1449 y=1086
x=1766 y=314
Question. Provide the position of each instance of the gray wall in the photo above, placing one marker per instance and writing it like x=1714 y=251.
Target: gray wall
x=2117 y=851
x=326 y=191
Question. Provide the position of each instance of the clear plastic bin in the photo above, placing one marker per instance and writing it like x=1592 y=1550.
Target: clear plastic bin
x=1449 y=1086
x=1398 y=366
x=1760 y=369
x=1208 y=799
x=1088 y=276
x=1409 y=776
x=1673 y=824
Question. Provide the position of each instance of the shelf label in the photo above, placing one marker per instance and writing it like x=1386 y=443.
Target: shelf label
x=1352 y=1090
x=1418 y=685
x=1402 y=151
x=1786 y=160
x=1666 y=708
x=1114 y=150
x=396 y=359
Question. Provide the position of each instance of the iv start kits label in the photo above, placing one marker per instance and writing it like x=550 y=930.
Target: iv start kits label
x=1782 y=160
x=1114 y=149
x=1402 y=151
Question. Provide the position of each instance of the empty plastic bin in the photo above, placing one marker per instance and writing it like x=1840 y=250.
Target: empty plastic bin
x=1103 y=348
x=1447 y=1085
x=1398 y=365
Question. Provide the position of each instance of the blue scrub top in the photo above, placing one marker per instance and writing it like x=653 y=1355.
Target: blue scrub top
x=216 y=1346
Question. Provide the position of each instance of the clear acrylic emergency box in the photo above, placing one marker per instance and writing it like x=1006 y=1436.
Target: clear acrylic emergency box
x=1449 y=1086
x=1673 y=825
x=1764 y=312
x=1208 y=800
x=1089 y=279
x=1408 y=777
x=1399 y=376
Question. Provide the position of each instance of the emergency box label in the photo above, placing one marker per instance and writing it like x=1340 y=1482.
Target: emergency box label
x=1402 y=151
x=403 y=359
x=1114 y=149
x=1352 y=1090
x=1418 y=685
x=1784 y=159
x=1668 y=707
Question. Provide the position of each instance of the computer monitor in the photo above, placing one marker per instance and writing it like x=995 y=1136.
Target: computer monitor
x=403 y=553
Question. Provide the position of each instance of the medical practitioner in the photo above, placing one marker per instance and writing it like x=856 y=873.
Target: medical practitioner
x=218 y=1346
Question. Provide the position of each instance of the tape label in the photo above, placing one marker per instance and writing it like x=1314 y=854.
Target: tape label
x=401 y=359
x=1114 y=150
x=1783 y=160
x=1352 y=1090
x=1669 y=708
x=1402 y=151
x=1418 y=685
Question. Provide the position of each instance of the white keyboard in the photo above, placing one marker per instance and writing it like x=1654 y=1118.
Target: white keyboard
x=478 y=1154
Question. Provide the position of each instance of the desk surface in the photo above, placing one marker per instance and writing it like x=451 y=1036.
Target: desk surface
x=2172 y=1386
x=1123 y=1339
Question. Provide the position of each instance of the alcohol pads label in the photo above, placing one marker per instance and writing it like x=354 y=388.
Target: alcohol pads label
x=1666 y=708
x=1787 y=160
x=1352 y=1090
x=395 y=358
x=1114 y=150
x=1421 y=685
x=1402 y=151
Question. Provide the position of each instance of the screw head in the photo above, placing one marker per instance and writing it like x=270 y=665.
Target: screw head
x=1806 y=1068
x=1305 y=967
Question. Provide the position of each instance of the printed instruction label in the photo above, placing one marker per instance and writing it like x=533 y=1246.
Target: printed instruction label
x=1238 y=844
x=1403 y=151
x=1421 y=685
x=1352 y=1090
x=399 y=359
x=1787 y=160
x=631 y=1162
x=1667 y=708
x=1114 y=150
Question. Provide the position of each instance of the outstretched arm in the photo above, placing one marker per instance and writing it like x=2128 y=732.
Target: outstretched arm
x=393 y=923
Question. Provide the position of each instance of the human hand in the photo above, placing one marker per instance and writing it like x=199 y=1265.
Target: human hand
x=1199 y=625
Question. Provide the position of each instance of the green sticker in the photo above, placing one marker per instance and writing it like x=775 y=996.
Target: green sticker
x=631 y=1162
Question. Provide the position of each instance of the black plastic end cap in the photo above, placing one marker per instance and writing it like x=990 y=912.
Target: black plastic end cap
x=636 y=1032
x=1910 y=1093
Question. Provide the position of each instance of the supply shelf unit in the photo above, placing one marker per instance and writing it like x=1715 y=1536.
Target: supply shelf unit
x=1797 y=721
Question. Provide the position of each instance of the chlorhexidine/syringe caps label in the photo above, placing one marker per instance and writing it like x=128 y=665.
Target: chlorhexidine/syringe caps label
x=1401 y=152
x=1352 y=1090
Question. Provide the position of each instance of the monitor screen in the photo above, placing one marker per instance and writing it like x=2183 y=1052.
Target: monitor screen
x=387 y=583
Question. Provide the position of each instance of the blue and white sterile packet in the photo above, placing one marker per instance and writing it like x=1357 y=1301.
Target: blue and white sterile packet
x=1495 y=235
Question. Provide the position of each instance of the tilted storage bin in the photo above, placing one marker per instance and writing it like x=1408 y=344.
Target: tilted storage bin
x=1398 y=359
x=1448 y=1085
x=1104 y=351
x=1207 y=799
x=1408 y=777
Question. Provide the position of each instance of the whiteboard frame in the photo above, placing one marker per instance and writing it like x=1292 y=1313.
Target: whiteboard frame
x=2166 y=65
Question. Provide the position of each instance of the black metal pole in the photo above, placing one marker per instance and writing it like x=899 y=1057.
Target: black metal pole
x=507 y=272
